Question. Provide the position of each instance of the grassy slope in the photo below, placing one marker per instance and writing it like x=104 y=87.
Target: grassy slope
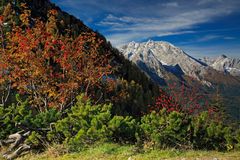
x=125 y=152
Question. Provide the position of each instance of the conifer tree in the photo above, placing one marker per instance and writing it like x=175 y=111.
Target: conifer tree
x=217 y=105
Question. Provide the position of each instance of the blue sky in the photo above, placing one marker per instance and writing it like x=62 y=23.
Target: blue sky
x=199 y=27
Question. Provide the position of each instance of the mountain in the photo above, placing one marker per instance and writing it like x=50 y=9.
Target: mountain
x=224 y=64
x=164 y=63
x=162 y=59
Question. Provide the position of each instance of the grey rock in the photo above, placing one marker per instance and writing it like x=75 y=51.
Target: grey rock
x=160 y=58
x=224 y=64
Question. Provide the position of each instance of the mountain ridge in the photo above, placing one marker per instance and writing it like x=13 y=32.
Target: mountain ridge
x=169 y=56
x=224 y=64
x=166 y=56
x=165 y=64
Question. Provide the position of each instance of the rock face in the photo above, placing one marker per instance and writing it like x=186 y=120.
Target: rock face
x=161 y=58
x=224 y=64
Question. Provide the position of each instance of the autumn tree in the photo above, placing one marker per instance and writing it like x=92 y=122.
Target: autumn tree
x=50 y=68
x=181 y=98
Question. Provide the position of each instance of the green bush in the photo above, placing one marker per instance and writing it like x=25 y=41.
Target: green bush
x=238 y=139
x=21 y=116
x=123 y=129
x=84 y=124
x=41 y=127
x=210 y=134
x=13 y=116
x=175 y=129
x=165 y=130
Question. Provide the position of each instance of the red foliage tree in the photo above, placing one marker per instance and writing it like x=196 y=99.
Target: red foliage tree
x=181 y=99
x=52 y=69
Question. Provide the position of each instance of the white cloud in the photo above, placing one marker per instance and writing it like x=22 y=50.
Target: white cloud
x=137 y=20
x=133 y=28
x=208 y=38
x=171 y=4
x=229 y=38
x=120 y=39
x=112 y=24
x=203 y=2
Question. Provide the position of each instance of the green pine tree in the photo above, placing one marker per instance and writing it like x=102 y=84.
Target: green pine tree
x=217 y=103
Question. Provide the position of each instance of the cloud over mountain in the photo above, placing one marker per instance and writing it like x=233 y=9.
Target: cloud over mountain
x=124 y=21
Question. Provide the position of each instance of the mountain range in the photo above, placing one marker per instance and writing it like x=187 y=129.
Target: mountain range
x=165 y=63
x=161 y=59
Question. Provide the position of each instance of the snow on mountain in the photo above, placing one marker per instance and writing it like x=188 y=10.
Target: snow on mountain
x=161 y=58
x=225 y=64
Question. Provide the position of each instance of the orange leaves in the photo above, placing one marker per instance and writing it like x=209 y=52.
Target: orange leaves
x=53 y=12
x=52 y=21
x=25 y=16
x=24 y=6
x=52 y=68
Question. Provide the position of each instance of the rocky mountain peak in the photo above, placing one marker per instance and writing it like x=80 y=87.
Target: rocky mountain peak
x=163 y=57
x=225 y=64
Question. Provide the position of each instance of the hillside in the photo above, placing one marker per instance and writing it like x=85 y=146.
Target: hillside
x=124 y=71
x=64 y=88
